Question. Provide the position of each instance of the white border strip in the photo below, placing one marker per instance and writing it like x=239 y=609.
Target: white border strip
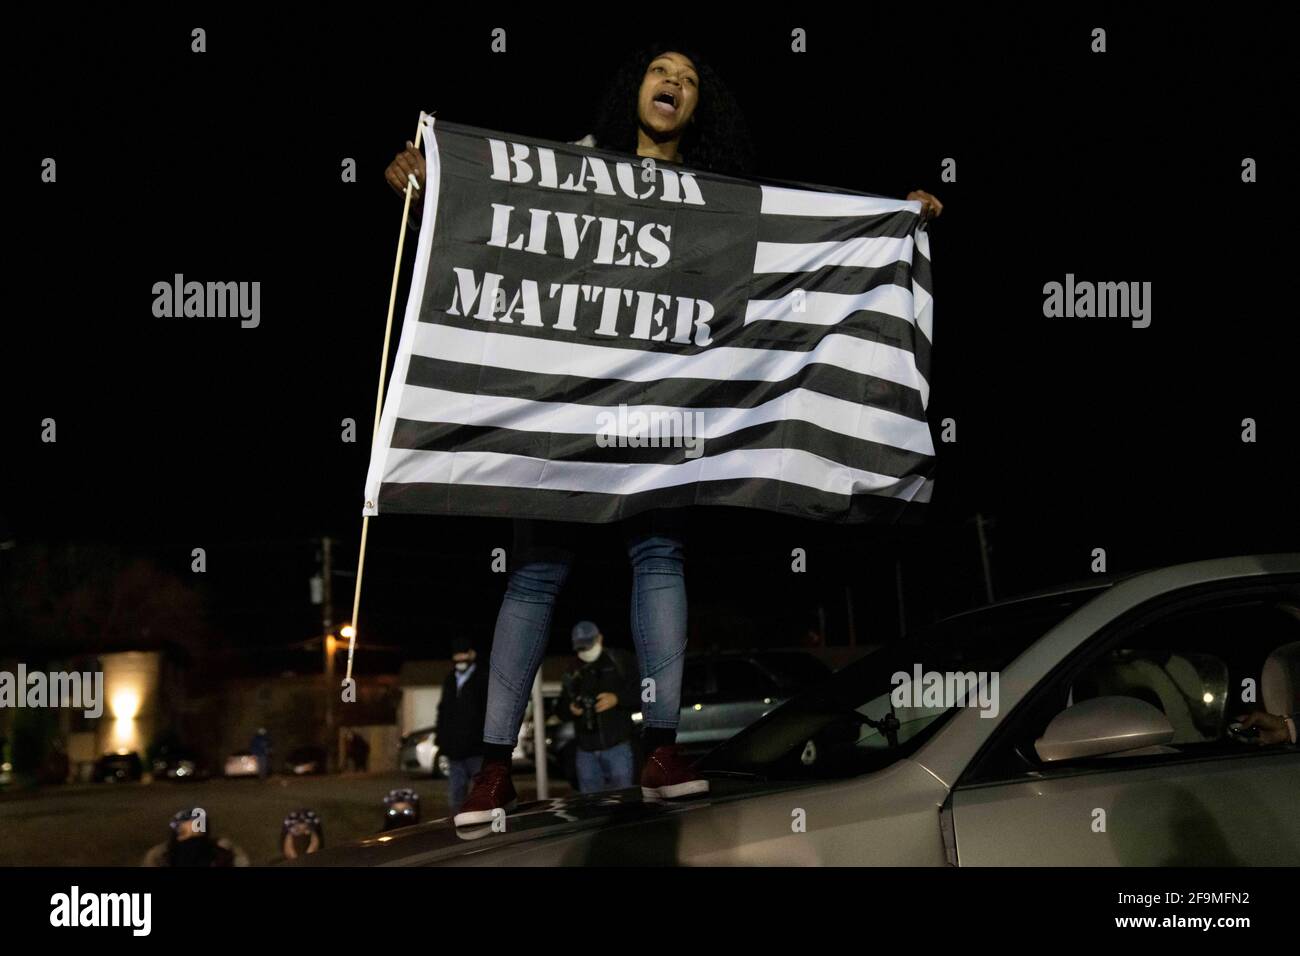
x=862 y=422
x=832 y=308
x=722 y=363
x=793 y=465
x=782 y=201
x=382 y=442
x=864 y=252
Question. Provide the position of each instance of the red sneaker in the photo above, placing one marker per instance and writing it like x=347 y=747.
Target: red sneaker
x=666 y=776
x=493 y=790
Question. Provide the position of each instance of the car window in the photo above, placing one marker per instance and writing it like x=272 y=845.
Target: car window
x=911 y=722
x=740 y=680
x=795 y=671
x=851 y=723
x=1200 y=666
x=695 y=686
x=1189 y=687
x=1200 y=669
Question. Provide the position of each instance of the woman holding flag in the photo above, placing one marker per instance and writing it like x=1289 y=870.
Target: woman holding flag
x=667 y=105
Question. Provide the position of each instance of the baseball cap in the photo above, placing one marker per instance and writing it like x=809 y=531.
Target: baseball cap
x=584 y=635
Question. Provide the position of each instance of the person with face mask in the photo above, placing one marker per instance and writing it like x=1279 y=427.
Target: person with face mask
x=461 y=711
x=601 y=694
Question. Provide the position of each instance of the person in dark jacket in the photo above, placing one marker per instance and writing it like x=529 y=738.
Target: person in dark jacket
x=601 y=694
x=260 y=747
x=358 y=752
x=459 y=734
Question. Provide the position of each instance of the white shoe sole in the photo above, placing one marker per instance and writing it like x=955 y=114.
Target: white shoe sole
x=469 y=818
x=675 y=790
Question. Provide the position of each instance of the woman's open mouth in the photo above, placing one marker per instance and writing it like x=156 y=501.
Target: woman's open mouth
x=665 y=102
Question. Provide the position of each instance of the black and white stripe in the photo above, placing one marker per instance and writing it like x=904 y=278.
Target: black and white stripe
x=811 y=396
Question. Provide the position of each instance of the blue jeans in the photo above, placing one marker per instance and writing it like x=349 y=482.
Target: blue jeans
x=609 y=769
x=459 y=774
x=524 y=625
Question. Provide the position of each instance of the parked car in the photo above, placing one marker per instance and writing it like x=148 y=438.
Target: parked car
x=119 y=768
x=175 y=763
x=417 y=753
x=242 y=764
x=1115 y=699
x=309 y=759
x=722 y=693
x=561 y=742
x=725 y=692
x=522 y=757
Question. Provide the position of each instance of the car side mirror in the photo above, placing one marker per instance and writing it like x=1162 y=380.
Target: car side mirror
x=1101 y=726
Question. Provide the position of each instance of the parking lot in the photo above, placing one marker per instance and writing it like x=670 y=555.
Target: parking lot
x=115 y=824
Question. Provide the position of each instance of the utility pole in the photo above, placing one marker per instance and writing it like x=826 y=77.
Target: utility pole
x=327 y=643
x=540 y=769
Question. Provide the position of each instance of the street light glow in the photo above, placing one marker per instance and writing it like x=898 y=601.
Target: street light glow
x=125 y=704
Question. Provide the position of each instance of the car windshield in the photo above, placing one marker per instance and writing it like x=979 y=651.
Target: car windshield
x=851 y=723
x=794 y=671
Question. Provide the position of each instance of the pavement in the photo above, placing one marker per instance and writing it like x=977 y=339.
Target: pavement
x=116 y=824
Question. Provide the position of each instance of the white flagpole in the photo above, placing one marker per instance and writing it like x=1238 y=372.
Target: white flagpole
x=379 y=397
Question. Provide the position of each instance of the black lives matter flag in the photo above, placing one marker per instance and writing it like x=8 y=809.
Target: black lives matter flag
x=589 y=336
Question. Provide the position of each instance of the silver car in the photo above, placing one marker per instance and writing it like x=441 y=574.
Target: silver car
x=418 y=753
x=1107 y=738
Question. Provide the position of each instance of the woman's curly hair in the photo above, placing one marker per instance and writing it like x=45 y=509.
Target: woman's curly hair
x=717 y=139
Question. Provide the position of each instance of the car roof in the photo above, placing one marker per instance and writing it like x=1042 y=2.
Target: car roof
x=1079 y=590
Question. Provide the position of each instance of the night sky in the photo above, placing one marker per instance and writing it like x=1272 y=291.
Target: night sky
x=1071 y=434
